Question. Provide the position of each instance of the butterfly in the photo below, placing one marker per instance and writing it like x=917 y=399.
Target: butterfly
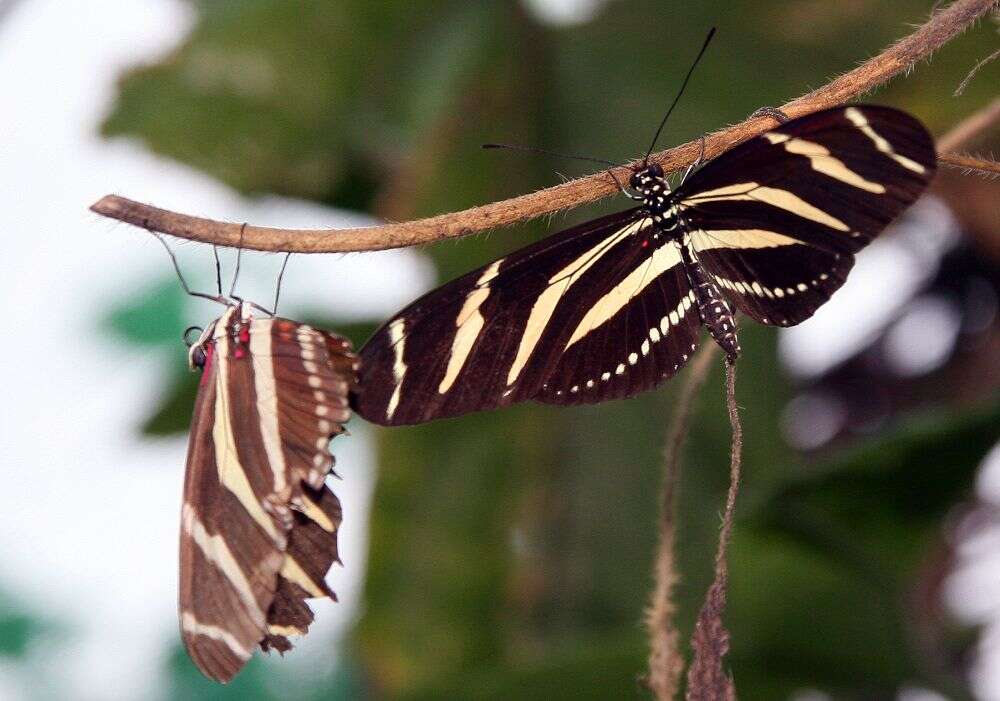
x=258 y=523
x=615 y=306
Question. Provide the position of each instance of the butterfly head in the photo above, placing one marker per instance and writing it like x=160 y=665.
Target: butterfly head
x=648 y=177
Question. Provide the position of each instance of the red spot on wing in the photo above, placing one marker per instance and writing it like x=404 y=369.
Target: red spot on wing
x=245 y=335
x=238 y=352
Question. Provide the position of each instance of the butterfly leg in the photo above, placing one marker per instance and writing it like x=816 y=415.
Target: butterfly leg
x=622 y=188
x=697 y=162
x=772 y=112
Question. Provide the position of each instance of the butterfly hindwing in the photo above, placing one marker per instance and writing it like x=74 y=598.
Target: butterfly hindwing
x=259 y=526
x=777 y=219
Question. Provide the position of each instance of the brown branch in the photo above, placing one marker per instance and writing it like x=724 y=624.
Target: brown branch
x=707 y=678
x=666 y=663
x=901 y=56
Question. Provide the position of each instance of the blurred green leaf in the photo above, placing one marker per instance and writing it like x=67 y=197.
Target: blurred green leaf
x=153 y=316
x=18 y=627
x=186 y=682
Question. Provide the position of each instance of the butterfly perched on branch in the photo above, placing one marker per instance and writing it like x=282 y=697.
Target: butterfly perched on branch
x=615 y=306
x=258 y=523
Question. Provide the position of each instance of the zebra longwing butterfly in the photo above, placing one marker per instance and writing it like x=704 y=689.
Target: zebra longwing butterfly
x=258 y=523
x=613 y=307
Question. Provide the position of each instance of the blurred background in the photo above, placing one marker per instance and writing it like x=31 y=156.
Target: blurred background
x=504 y=555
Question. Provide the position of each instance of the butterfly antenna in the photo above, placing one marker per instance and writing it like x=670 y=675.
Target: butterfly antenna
x=533 y=149
x=708 y=39
x=277 y=289
x=180 y=275
x=516 y=147
x=239 y=256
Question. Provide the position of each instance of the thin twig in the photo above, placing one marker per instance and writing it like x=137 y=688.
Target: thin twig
x=968 y=130
x=971 y=164
x=666 y=663
x=898 y=58
x=707 y=678
x=972 y=74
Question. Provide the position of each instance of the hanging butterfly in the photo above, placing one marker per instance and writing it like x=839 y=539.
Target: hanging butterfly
x=613 y=307
x=258 y=523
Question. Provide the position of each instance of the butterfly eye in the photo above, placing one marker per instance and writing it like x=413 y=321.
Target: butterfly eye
x=656 y=171
x=198 y=357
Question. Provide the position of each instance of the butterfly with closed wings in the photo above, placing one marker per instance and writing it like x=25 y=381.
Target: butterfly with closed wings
x=258 y=523
x=613 y=307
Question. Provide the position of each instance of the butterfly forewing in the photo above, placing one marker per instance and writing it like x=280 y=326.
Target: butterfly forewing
x=488 y=338
x=259 y=526
x=777 y=219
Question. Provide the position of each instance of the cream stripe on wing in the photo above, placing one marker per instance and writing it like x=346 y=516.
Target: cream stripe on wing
x=190 y=624
x=216 y=551
x=822 y=162
x=314 y=512
x=648 y=271
x=755 y=192
x=859 y=120
x=227 y=460
x=468 y=325
x=396 y=341
x=559 y=284
x=266 y=389
x=703 y=240
x=293 y=572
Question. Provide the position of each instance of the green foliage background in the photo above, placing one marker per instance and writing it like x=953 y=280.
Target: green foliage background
x=511 y=551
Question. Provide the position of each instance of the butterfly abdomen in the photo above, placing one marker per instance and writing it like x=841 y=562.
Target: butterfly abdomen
x=715 y=312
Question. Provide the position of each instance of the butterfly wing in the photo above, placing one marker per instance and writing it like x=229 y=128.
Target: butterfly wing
x=777 y=220
x=259 y=525
x=528 y=326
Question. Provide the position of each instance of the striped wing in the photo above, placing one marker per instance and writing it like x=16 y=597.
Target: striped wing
x=259 y=526
x=777 y=220
x=579 y=317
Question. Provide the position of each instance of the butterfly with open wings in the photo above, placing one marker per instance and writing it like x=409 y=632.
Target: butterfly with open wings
x=614 y=306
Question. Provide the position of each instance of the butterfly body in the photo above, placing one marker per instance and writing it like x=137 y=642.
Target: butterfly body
x=614 y=306
x=258 y=523
x=668 y=228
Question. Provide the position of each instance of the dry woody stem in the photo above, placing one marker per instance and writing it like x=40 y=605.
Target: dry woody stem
x=666 y=662
x=707 y=678
x=900 y=57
